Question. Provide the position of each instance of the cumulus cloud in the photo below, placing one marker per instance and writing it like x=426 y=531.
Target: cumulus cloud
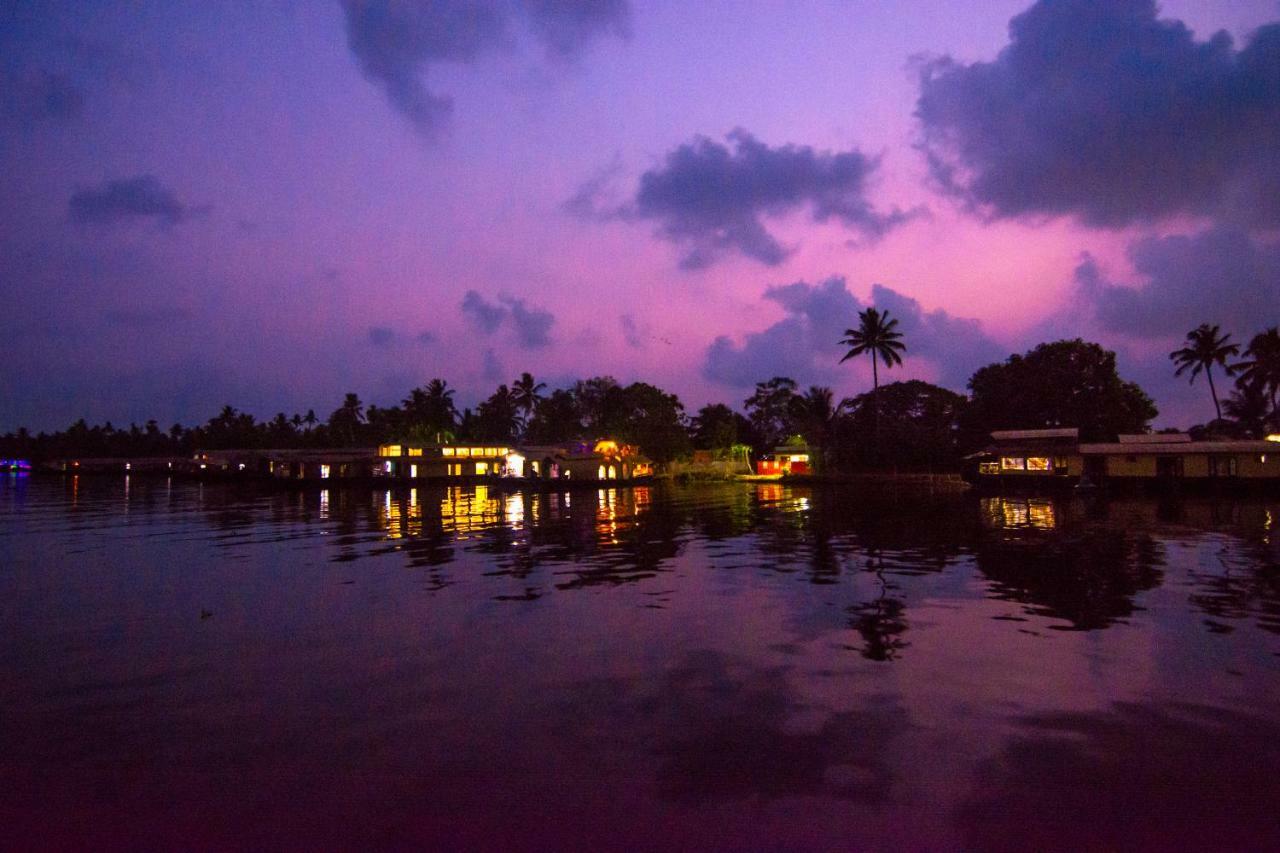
x=397 y=41
x=1221 y=275
x=532 y=325
x=1106 y=112
x=805 y=343
x=143 y=197
x=484 y=315
x=712 y=199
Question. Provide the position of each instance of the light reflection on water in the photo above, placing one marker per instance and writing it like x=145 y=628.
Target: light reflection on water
x=200 y=665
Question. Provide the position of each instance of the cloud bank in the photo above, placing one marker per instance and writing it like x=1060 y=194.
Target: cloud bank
x=532 y=326
x=1107 y=113
x=805 y=343
x=712 y=199
x=397 y=41
x=1221 y=275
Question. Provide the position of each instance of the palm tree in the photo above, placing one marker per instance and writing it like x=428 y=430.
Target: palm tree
x=1205 y=348
x=431 y=410
x=1261 y=372
x=815 y=412
x=877 y=336
x=527 y=394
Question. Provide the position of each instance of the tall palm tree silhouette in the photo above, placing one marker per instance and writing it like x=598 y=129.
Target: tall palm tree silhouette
x=876 y=335
x=1206 y=346
x=527 y=394
x=1261 y=370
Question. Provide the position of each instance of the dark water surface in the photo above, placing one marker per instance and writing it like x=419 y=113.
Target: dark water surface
x=739 y=666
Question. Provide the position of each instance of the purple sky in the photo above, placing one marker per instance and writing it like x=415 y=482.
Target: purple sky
x=269 y=204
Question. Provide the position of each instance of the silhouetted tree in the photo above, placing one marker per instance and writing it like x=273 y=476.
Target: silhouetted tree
x=1260 y=371
x=770 y=411
x=527 y=394
x=498 y=417
x=878 y=337
x=1205 y=348
x=556 y=419
x=718 y=427
x=1060 y=384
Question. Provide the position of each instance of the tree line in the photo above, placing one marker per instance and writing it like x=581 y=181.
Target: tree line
x=911 y=425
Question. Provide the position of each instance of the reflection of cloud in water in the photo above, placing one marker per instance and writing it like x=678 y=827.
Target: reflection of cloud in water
x=724 y=729
x=1134 y=778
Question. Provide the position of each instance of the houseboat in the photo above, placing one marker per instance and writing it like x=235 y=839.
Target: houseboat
x=1051 y=457
x=790 y=458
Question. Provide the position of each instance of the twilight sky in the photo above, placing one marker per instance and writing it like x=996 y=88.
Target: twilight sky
x=271 y=203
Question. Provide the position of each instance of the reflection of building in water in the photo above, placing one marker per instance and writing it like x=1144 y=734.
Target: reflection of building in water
x=1015 y=512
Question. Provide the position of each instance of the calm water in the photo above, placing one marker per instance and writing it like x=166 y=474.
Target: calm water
x=753 y=667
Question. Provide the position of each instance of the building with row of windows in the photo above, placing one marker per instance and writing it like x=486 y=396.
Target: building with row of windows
x=1029 y=457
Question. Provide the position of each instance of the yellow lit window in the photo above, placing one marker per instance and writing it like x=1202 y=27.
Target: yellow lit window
x=600 y=473
x=482 y=467
x=324 y=472
x=1037 y=463
x=446 y=451
x=1013 y=463
x=390 y=450
x=415 y=451
x=477 y=451
x=988 y=467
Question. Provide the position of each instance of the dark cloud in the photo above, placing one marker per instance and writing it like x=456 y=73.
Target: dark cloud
x=381 y=336
x=631 y=331
x=426 y=338
x=1221 y=276
x=142 y=197
x=711 y=199
x=532 y=325
x=396 y=42
x=1103 y=111
x=566 y=26
x=957 y=345
x=38 y=93
x=484 y=315
x=805 y=344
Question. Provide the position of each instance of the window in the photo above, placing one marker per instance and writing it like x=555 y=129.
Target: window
x=390 y=450
x=482 y=467
x=1059 y=464
x=1037 y=463
x=388 y=466
x=446 y=451
x=1222 y=466
x=413 y=470
x=613 y=473
x=600 y=473
x=1013 y=463
x=324 y=472
x=988 y=467
x=415 y=451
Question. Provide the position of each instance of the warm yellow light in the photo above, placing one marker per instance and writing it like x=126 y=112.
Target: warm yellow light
x=606 y=448
x=389 y=450
x=1013 y=463
x=446 y=451
x=1037 y=463
x=415 y=451
x=1275 y=436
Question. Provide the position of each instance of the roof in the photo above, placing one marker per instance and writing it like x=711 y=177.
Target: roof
x=1155 y=438
x=1171 y=448
x=1033 y=434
